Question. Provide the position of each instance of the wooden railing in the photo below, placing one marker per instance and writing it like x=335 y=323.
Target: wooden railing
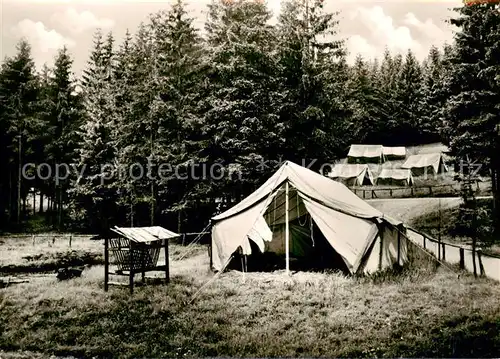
x=485 y=264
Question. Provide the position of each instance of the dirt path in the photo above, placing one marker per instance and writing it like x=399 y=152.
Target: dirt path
x=406 y=209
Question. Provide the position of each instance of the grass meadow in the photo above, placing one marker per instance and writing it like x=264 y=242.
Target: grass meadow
x=420 y=312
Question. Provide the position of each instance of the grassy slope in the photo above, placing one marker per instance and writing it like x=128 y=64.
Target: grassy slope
x=310 y=314
x=418 y=313
x=408 y=209
x=19 y=255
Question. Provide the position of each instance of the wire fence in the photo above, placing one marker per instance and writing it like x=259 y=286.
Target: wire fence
x=438 y=190
x=485 y=264
x=56 y=238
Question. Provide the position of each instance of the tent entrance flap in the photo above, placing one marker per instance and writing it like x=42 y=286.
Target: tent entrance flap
x=348 y=235
x=229 y=235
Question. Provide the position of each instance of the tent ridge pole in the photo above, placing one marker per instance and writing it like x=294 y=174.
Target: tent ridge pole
x=287 y=232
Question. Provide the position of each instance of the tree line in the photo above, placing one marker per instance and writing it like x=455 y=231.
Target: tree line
x=173 y=123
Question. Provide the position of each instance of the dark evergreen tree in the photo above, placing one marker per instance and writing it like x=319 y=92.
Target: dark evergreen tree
x=313 y=72
x=94 y=193
x=241 y=111
x=179 y=72
x=409 y=96
x=20 y=126
x=471 y=113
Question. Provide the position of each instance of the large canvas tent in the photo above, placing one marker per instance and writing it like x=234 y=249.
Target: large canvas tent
x=426 y=164
x=300 y=213
x=352 y=174
x=395 y=177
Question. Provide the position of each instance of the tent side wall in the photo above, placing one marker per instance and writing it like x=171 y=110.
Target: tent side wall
x=389 y=247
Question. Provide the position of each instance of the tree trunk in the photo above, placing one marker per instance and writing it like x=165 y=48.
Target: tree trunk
x=179 y=221
x=60 y=210
x=153 y=198
x=496 y=202
x=40 y=209
x=495 y=185
x=19 y=181
x=9 y=217
x=25 y=211
x=131 y=214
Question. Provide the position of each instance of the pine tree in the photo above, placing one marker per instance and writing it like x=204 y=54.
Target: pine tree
x=177 y=53
x=18 y=98
x=471 y=113
x=241 y=119
x=312 y=59
x=94 y=193
x=409 y=95
x=137 y=88
x=432 y=97
x=62 y=114
x=367 y=108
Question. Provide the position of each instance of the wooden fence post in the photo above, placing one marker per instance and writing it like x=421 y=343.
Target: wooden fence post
x=462 y=258
x=143 y=264
x=70 y=239
x=210 y=255
x=481 y=268
x=106 y=263
x=167 y=263
x=381 y=252
x=444 y=251
x=399 y=247
x=425 y=244
x=364 y=194
x=131 y=267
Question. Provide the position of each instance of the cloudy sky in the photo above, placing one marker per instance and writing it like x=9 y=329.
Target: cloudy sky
x=368 y=26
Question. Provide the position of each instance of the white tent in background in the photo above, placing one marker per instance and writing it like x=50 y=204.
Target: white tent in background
x=431 y=164
x=352 y=174
x=394 y=153
x=295 y=203
x=365 y=154
x=395 y=177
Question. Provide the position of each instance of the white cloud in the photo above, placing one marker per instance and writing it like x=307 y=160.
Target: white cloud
x=384 y=32
x=413 y=33
x=78 y=22
x=44 y=42
x=429 y=29
x=359 y=45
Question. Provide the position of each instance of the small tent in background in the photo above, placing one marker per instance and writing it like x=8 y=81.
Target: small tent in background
x=308 y=217
x=365 y=154
x=352 y=174
x=395 y=177
x=394 y=153
x=426 y=164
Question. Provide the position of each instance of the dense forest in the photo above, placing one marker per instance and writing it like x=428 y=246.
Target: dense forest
x=172 y=122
